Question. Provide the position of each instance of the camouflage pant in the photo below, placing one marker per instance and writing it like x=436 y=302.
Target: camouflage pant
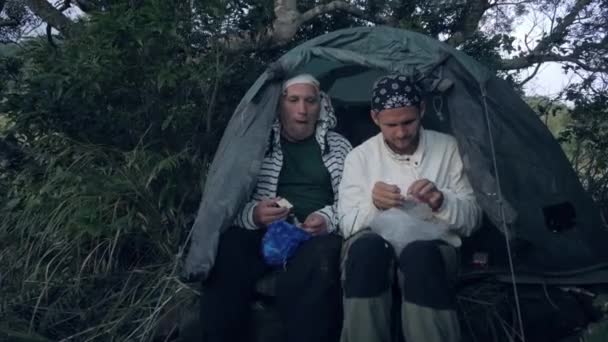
x=426 y=272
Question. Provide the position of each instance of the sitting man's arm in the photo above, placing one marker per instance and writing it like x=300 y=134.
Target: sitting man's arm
x=259 y=214
x=318 y=223
x=355 y=208
x=458 y=206
x=329 y=214
x=244 y=218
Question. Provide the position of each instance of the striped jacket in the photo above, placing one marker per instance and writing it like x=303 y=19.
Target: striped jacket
x=334 y=148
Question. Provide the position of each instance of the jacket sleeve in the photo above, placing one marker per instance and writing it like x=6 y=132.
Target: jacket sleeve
x=356 y=209
x=459 y=208
x=329 y=213
x=244 y=218
x=341 y=147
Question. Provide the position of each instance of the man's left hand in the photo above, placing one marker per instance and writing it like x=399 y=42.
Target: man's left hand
x=425 y=191
x=315 y=224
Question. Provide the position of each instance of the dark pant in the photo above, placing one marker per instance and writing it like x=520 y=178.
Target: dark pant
x=307 y=293
x=424 y=279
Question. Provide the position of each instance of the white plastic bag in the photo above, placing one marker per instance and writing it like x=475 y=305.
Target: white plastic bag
x=412 y=222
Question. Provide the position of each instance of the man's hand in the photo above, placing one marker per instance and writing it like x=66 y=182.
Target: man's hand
x=315 y=224
x=386 y=196
x=423 y=190
x=267 y=211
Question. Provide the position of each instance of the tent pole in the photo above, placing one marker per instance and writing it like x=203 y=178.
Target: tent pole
x=504 y=227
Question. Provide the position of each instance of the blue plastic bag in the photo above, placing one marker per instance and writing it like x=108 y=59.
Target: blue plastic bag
x=281 y=241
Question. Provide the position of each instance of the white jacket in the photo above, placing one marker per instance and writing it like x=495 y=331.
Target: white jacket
x=436 y=159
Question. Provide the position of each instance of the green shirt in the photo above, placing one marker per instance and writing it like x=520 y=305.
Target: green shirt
x=304 y=181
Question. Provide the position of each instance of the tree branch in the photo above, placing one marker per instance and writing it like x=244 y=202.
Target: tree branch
x=497 y=4
x=247 y=41
x=285 y=26
x=8 y=22
x=50 y=15
x=85 y=5
x=66 y=4
x=468 y=22
x=49 y=36
x=542 y=51
x=561 y=30
x=340 y=6
x=531 y=76
x=287 y=21
x=527 y=61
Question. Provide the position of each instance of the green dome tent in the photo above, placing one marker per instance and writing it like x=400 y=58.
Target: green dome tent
x=521 y=177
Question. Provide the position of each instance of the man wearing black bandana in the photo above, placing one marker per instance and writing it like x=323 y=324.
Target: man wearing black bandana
x=403 y=164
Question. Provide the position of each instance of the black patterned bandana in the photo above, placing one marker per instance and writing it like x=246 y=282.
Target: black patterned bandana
x=394 y=91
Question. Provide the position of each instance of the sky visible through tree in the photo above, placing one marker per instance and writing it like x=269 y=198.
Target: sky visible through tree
x=549 y=80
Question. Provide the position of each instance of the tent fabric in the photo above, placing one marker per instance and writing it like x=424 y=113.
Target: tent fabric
x=553 y=224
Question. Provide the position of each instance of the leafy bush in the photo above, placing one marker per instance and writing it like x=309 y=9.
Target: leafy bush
x=90 y=245
x=112 y=131
x=588 y=134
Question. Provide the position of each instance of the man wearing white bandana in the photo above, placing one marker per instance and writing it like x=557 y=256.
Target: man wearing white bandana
x=402 y=165
x=303 y=164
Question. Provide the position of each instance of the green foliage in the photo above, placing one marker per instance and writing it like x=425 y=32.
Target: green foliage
x=558 y=119
x=9 y=69
x=98 y=85
x=554 y=113
x=588 y=133
x=4 y=124
x=15 y=11
x=583 y=133
x=7 y=49
x=486 y=48
x=89 y=240
x=110 y=136
x=106 y=136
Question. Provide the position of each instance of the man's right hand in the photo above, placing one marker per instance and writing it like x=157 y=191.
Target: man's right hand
x=267 y=211
x=386 y=196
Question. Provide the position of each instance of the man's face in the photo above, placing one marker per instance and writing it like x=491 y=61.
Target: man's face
x=299 y=112
x=400 y=128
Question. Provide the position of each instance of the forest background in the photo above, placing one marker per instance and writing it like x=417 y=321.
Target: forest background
x=111 y=110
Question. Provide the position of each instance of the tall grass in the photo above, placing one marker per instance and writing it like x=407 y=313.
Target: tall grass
x=89 y=242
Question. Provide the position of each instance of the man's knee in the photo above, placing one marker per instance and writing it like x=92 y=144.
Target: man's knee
x=367 y=267
x=321 y=247
x=424 y=275
x=235 y=245
x=419 y=256
x=320 y=256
